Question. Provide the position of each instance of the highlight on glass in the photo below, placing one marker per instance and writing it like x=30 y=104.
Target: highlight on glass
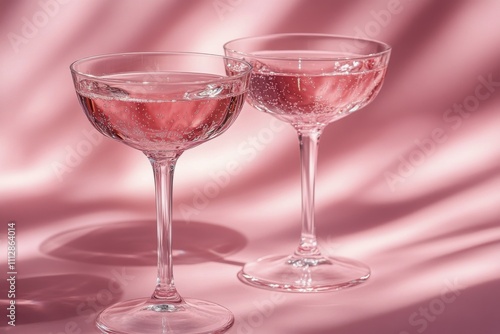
x=309 y=81
x=162 y=104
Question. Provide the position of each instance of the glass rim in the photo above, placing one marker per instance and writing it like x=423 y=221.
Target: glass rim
x=387 y=47
x=243 y=73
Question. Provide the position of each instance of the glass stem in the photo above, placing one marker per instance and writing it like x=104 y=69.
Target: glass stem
x=163 y=168
x=309 y=141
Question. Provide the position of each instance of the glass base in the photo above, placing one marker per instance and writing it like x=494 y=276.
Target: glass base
x=144 y=316
x=304 y=274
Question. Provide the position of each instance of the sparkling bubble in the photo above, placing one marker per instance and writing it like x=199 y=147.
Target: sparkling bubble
x=260 y=67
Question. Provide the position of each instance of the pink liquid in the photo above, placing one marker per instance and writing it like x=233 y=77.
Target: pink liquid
x=161 y=117
x=318 y=92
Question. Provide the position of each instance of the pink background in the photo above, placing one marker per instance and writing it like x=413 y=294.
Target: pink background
x=409 y=185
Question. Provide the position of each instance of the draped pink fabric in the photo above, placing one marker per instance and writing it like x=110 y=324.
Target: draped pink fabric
x=410 y=184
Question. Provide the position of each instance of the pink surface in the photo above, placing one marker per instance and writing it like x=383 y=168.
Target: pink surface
x=409 y=185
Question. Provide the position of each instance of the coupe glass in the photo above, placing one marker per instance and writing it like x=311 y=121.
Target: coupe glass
x=309 y=81
x=162 y=104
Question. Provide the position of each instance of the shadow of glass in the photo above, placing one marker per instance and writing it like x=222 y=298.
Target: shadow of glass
x=133 y=243
x=56 y=297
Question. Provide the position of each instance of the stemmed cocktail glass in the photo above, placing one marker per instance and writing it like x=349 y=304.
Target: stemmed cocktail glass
x=162 y=104
x=309 y=81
